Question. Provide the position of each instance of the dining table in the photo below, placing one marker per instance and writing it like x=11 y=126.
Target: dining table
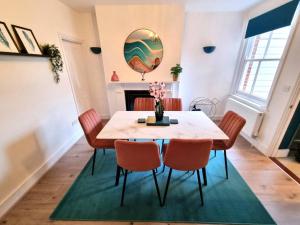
x=191 y=125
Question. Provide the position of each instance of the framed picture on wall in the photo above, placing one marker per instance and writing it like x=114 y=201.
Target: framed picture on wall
x=7 y=43
x=27 y=40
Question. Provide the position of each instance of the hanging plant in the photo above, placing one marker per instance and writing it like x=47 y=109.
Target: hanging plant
x=55 y=58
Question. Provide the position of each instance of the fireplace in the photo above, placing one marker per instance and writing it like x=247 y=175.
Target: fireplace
x=130 y=95
x=116 y=92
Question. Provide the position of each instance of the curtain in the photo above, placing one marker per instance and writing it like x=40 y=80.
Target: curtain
x=272 y=20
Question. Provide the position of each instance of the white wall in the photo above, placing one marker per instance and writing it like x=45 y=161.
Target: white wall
x=263 y=7
x=36 y=113
x=209 y=75
x=95 y=71
x=282 y=93
x=116 y=22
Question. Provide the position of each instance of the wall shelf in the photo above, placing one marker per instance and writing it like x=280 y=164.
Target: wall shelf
x=23 y=54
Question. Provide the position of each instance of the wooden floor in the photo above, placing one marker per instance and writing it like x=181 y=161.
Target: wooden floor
x=291 y=163
x=276 y=190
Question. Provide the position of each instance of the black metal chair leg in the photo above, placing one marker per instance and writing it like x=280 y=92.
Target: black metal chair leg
x=157 y=188
x=204 y=176
x=193 y=172
x=167 y=186
x=118 y=175
x=163 y=170
x=200 y=187
x=124 y=187
x=94 y=160
x=226 y=167
x=215 y=153
x=162 y=144
x=103 y=151
x=155 y=170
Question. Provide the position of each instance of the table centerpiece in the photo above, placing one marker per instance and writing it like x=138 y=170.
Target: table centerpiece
x=158 y=91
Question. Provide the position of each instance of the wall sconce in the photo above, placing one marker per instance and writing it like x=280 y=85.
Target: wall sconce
x=209 y=49
x=96 y=50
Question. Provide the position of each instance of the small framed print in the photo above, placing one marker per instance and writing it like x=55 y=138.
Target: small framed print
x=7 y=43
x=27 y=40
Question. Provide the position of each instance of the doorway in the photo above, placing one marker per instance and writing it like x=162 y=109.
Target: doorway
x=291 y=141
x=74 y=59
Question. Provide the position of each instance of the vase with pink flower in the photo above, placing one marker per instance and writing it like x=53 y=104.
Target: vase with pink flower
x=158 y=91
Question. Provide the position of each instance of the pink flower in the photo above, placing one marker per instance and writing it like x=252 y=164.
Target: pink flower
x=157 y=90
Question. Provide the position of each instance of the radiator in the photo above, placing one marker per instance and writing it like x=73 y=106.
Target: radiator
x=253 y=117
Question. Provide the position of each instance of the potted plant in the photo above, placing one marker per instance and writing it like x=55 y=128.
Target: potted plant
x=175 y=71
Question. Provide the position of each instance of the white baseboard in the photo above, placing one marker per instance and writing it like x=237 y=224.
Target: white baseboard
x=282 y=153
x=262 y=148
x=30 y=181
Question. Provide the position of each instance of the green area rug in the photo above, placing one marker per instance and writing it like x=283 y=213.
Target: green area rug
x=225 y=201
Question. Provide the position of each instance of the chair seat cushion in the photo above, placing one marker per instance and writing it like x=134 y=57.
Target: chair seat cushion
x=107 y=143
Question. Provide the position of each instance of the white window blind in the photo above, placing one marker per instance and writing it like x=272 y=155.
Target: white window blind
x=260 y=63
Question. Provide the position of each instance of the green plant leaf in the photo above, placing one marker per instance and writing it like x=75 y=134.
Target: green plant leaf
x=55 y=58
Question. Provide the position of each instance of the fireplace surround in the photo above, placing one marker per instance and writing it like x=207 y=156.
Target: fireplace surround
x=116 y=92
x=131 y=95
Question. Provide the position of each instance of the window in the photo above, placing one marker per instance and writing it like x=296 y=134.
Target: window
x=260 y=63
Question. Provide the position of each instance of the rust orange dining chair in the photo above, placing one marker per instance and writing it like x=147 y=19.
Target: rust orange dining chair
x=172 y=104
x=187 y=155
x=137 y=156
x=231 y=125
x=91 y=124
x=144 y=104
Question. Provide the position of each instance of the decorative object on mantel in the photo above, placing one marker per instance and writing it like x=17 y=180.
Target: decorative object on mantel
x=27 y=40
x=7 y=43
x=143 y=51
x=209 y=49
x=158 y=91
x=96 y=50
x=175 y=71
x=55 y=58
x=114 y=76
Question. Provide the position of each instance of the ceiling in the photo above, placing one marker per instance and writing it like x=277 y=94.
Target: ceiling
x=191 y=5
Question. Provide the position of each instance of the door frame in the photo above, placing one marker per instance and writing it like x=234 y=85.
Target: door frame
x=285 y=120
x=64 y=37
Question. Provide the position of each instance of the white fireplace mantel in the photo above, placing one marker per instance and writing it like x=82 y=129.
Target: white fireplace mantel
x=139 y=82
x=116 y=95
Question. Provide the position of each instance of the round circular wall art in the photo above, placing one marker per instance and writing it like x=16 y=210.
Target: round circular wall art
x=143 y=50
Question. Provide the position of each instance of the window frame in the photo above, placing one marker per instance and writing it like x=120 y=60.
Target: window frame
x=249 y=99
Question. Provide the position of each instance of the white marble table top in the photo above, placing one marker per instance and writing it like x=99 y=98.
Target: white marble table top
x=191 y=125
